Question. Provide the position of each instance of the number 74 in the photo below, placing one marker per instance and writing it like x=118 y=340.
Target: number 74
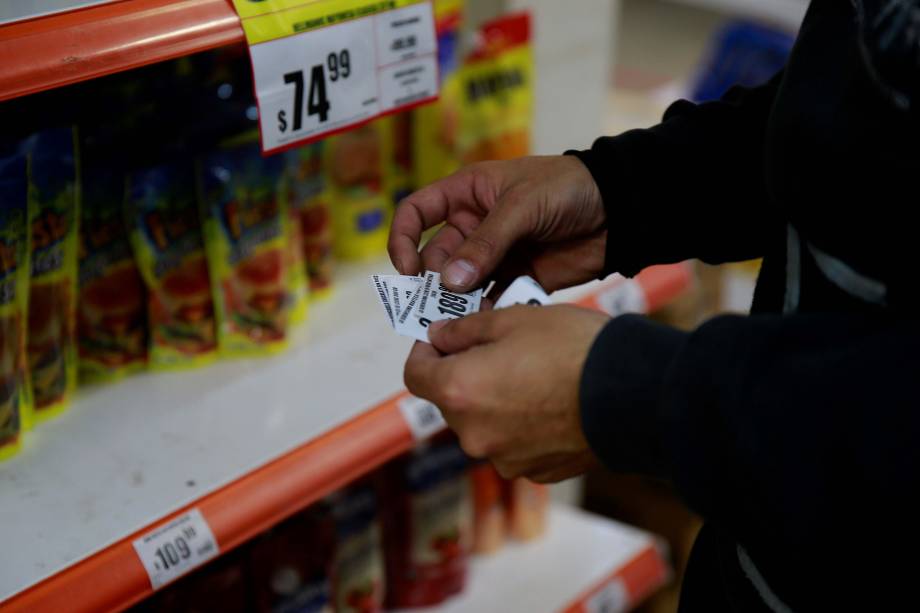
x=339 y=66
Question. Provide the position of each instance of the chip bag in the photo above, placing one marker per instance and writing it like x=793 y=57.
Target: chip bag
x=308 y=205
x=496 y=84
x=14 y=295
x=245 y=227
x=112 y=309
x=53 y=219
x=165 y=230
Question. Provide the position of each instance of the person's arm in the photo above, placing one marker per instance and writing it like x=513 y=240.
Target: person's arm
x=799 y=434
x=692 y=186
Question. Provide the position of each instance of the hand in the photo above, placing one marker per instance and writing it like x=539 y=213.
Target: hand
x=541 y=216
x=507 y=382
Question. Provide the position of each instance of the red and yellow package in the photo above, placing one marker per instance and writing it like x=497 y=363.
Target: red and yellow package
x=489 y=525
x=527 y=505
x=496 y=84
x=308 y=205
x=427 y=519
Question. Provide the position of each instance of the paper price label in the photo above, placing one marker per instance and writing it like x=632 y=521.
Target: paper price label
x=424 y=419
x=626 y=296
x=176 y=547
x=612 y=598
x=330 y=64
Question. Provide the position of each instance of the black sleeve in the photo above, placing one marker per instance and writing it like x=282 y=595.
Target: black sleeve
x=692 y=186
x=799 y=434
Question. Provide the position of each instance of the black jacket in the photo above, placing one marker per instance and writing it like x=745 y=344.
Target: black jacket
x=795 y=432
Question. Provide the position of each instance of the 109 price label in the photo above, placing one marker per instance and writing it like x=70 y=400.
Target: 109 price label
x=173 y=549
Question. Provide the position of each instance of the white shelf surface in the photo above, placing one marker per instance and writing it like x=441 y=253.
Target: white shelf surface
x=17 y=10
x=127 y=454
x=578 y=553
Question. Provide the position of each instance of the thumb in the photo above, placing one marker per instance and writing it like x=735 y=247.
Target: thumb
x=483 y=250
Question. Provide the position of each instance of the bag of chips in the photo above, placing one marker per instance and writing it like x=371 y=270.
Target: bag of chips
x=308 y=204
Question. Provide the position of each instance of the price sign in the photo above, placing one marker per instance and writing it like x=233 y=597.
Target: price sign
x=424 y=419
x=330 y=64
x=173 y=549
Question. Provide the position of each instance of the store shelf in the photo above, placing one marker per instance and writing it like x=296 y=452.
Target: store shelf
x=247 y=443
x=63 y=48
x=585 y=563
x=788 y=13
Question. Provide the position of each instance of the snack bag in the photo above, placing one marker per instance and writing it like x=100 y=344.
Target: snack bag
x=527 y=506
x=489 y=524
x=496 y=83
x=165 y=230
x=427 y=520
x=308 y=205
x=360 y=198
x=112 y=308
x=358 y=570
x=245 y=228
x=436 y=126
x=14 y=295
x=54 y=218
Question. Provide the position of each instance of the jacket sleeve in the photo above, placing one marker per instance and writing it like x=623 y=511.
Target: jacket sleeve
x=797 y=433
x=692 y=186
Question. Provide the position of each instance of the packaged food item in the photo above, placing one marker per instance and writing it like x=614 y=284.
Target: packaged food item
x=245 y=228
x=360 y=198
x=436 y=126
x=290 y=565
x=14 y=295
x=221 y=585
x=358 y=571
x=165 y=230
x=427 y=520
x=54 y=219
x=112 y=304
x=489 y=523
x=527 y=506
x=496 y=82
x=403 y=161
x=308 y=204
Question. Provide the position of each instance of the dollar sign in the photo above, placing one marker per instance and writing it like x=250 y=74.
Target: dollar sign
x=282 y=121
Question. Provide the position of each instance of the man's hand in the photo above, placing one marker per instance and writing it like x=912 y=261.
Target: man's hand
x=541 y=216
x=507 y=383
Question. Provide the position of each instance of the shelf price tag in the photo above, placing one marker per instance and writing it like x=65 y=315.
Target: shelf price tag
x=171 y=550
x=612 y=598
x=321 y=66
x=424 y=419
x=626 y=296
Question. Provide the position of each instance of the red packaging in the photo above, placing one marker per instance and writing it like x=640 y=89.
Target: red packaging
x=527 y=505
x=427 y=519
x=489 y=520
x=358 y=573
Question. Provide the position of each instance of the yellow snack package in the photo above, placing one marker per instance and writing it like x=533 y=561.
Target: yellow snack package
x=496 y=82
x=14 y=295
x=165 y=229
x=53 y=218
x=436 y=126
x=245 y=228
x=357 y=170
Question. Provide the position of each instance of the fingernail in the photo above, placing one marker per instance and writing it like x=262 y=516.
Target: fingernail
x=460 y=273
x=399 y=265
x=434 y=326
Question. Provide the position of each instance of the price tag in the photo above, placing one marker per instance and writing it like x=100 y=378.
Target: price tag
x=330 y=64
x=612 y=598
x=176 y=547
x=424 y=419
x=626 y=296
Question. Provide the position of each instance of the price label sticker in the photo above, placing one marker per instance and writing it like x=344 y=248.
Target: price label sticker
x=626 y=296
x=612 y=598
x=424 y=419
x=171 y=550
x=329 y=64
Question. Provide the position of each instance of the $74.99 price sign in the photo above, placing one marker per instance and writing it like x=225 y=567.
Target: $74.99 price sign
x=321 y=66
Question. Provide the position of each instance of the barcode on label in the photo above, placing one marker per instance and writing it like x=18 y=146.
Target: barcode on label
x=422 y=417
x=173 y=549
x=612 y=598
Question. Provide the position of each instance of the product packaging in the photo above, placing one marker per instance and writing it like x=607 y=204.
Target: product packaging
x=358 y=571
x=54 y=214
x=165 y=229
x=489 y=519
x=308 y=205
x=427 y=519
x=527 y=506
x=246 y=230
x=14 y=295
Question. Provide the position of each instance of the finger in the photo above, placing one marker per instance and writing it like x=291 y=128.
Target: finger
x=423 y=371
x=419 y=211
x=441 y=247
x=452 y=336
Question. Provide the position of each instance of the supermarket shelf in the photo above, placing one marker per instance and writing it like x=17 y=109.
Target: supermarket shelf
x=246 y=442
x=788 y=13
x=585 y=563
x=64 y=48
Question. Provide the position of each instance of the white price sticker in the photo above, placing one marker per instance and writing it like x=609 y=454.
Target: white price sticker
x=626 y=296
x=424 y=419
x=176 y=547
x=323 y=80
x=612 y=598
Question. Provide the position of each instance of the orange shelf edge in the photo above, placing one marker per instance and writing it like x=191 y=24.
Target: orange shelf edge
x=641 y=576
x=114 y=579
x=49 y=52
